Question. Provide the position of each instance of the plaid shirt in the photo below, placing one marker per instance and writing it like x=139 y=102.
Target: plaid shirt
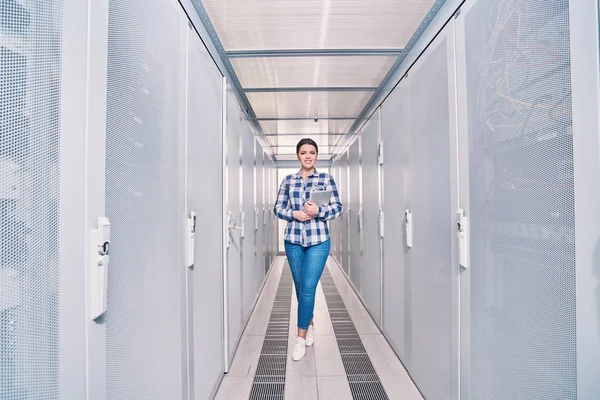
x=293 y=193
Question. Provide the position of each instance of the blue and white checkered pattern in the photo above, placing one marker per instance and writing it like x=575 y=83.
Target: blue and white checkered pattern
x=293 y=193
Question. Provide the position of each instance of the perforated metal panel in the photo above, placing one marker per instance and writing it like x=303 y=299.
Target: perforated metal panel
x=204 y=152
x=30 y=98
x=433 y=224
x=523 y=339
x=144 y=199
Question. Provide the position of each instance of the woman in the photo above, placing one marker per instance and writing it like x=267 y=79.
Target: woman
x=307 y=241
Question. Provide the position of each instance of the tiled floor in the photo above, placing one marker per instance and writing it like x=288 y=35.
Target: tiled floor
x=320 y=375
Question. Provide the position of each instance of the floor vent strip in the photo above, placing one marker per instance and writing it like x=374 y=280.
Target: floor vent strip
x=363 y=380
x=269 y=380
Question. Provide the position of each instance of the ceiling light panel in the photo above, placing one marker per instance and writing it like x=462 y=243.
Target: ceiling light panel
x=293 y=140
x=315 y=24
x=292 y=150
x=308 y=104
x=306 y=127
x=292 y=72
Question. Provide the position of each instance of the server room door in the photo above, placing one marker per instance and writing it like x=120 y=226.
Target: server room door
x=248 y=243
x=204 y=158
x=520 y=290
x=395 y=132
x=344 y=221
x=234 y=262
x=259 y=205
x=434 y=278
x=353 y=214
x=371 y=277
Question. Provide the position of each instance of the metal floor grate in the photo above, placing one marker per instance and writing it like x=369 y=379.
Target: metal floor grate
x=362 y=377
x=269 y=381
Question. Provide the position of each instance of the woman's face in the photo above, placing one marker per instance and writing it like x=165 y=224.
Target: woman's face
x=307 y=156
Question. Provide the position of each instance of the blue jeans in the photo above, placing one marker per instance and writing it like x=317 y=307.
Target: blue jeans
x=307 y=264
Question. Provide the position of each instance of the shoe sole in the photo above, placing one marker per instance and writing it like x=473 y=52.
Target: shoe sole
x=300 y=359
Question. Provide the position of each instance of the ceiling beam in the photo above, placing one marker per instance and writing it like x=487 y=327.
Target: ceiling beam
x=314 y=53
x=311 y=89
x=198 y=20
x=418 y=43
x=293 y=146
x=304 y=134
x=307 y=119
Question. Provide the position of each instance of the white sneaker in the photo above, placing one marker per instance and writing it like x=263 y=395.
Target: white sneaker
x=310 y=336
x=299 y=349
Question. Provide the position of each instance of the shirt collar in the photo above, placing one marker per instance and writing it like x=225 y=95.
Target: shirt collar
x=299 y=173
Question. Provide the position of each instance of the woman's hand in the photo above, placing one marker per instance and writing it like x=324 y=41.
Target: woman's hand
x=311 y=209
x=302 y=216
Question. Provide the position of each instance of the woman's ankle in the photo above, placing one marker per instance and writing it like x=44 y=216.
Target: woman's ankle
x=302 y=333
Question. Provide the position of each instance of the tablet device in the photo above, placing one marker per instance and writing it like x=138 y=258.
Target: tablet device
x=321 y=197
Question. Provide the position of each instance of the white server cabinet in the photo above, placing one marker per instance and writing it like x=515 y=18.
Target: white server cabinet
x=247 y=221
x=395 y=132
x=145 y=202
x=258 y=216
x=204 y=194
x=369 y=219
x=344 y=183
x=527 y=170
x=434 y=203
x=354 y=211
x=233 y=212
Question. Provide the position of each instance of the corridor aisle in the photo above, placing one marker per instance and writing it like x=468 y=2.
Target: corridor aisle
x=325 y=372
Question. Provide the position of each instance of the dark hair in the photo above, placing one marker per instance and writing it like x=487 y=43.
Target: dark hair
x=306 y=141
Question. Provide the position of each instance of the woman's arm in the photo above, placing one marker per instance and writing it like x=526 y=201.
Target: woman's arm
x=282 y=207
x=334 y=209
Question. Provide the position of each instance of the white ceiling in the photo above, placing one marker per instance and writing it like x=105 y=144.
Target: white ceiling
x=293 y=72
x=315 y=24
x=288 y=87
